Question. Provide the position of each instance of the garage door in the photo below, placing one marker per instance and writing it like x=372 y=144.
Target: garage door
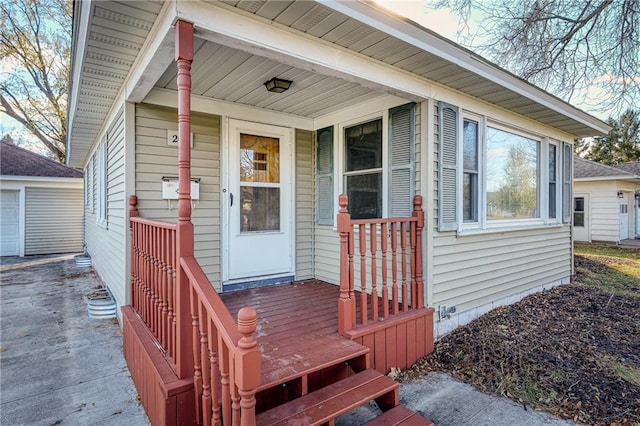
x=9 y=223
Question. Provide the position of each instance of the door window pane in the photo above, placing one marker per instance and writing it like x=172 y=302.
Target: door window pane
x=259 y=209
x=512 y=175
x=578 y=212
x=259 y=159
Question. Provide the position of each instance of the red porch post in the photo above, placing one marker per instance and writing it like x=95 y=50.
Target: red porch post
x=346 y=305
x=418 y=214
x=184 y=232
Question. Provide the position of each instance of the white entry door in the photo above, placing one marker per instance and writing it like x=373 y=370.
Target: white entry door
x=259 y=202
x=581 y=218
x=623 y=216
x=9 y=223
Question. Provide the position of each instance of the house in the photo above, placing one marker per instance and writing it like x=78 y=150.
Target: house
x=42 y=203
x=606 y=201
x=218 y=137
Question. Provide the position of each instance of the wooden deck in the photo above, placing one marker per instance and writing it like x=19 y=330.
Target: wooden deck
x=298 y=333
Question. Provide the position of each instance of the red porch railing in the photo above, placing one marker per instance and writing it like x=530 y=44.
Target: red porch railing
x=227 y=358
x=397 y=242
x=153 y=276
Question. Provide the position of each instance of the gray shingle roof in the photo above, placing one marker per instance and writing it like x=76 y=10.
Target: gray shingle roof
x=16 y=161
x=633 y=167
x=590 y=169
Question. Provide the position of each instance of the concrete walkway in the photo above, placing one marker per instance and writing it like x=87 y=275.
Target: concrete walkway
x=448 y=402
x=58 y=366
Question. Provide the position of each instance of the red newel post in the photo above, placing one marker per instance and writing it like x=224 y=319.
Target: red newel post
x=419 y=214
x=133 y=212
x=346 y=312
x=184 y=333
x=248 y=370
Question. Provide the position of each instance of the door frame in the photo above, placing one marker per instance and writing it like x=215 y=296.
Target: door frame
x=22 y=203
x=225 y=138
x=587 y=214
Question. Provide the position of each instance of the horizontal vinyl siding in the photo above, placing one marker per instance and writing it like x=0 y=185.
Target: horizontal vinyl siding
x=107 y=246
x=304 y=205
x=53 y=220
x=602 y=210
x=473 y=271
x=155 y=159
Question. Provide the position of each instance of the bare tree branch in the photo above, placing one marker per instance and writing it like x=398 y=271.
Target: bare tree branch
x=585 y=48
x=35 y=46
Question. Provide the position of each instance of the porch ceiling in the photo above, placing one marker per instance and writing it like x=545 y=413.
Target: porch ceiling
x=233 y=75
x=328 y=23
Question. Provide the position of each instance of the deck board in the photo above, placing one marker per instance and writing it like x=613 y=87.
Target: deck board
x=297 y=328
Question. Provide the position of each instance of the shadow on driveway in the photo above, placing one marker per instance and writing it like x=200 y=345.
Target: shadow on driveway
x=56 y=364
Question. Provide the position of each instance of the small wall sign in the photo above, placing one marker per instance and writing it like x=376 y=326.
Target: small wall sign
x=172 y=138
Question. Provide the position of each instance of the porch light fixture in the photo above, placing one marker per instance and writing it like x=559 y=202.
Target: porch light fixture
x=277 y=85
x=620 y=194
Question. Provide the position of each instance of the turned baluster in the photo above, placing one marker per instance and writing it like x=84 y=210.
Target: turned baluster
x=164 y=327
x=213 y=367
x=364 y=309
x=197 y=369
x=403 y=245
x=204 y=355
x=385 y=291
x=223 y=357
x=394 y=267
x=374 y=272
x=172 y=288
x=247 y=365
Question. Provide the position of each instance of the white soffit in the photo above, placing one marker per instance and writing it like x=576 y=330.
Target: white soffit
x=115 y=33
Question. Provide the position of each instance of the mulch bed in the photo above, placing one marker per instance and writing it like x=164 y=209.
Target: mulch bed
x=573 y=351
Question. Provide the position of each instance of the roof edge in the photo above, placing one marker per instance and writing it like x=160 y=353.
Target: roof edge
x=419 y=36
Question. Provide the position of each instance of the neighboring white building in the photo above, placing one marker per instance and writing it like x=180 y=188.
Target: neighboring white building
x=606 y=201
x=379 y=108
x=41 y=204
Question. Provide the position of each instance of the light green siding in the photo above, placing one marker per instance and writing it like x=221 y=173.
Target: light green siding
x=107 y=245
x=304 y=205
x=155 y=159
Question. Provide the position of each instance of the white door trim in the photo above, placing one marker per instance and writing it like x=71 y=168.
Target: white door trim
x=227 y=127
x=22 y=200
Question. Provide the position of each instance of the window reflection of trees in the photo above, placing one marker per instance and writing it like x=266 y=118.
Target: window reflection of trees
x=511 y=175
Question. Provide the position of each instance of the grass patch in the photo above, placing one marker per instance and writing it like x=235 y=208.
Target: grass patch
x=609 y=268
x=625 y=372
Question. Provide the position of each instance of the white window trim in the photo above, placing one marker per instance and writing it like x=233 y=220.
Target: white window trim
x=101 y=216
x=559 y=182
x=480 y=224
x=483 y=225
x=339 y=160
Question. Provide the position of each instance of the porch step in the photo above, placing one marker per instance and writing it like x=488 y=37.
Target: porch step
x=399 y=415
x=329 y=402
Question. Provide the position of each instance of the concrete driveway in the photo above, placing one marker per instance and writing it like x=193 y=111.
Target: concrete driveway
x=58 y=366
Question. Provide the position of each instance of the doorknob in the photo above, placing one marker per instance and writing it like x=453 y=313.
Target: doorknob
x=230 y=199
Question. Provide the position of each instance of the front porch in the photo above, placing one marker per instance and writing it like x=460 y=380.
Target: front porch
x=302 y=349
